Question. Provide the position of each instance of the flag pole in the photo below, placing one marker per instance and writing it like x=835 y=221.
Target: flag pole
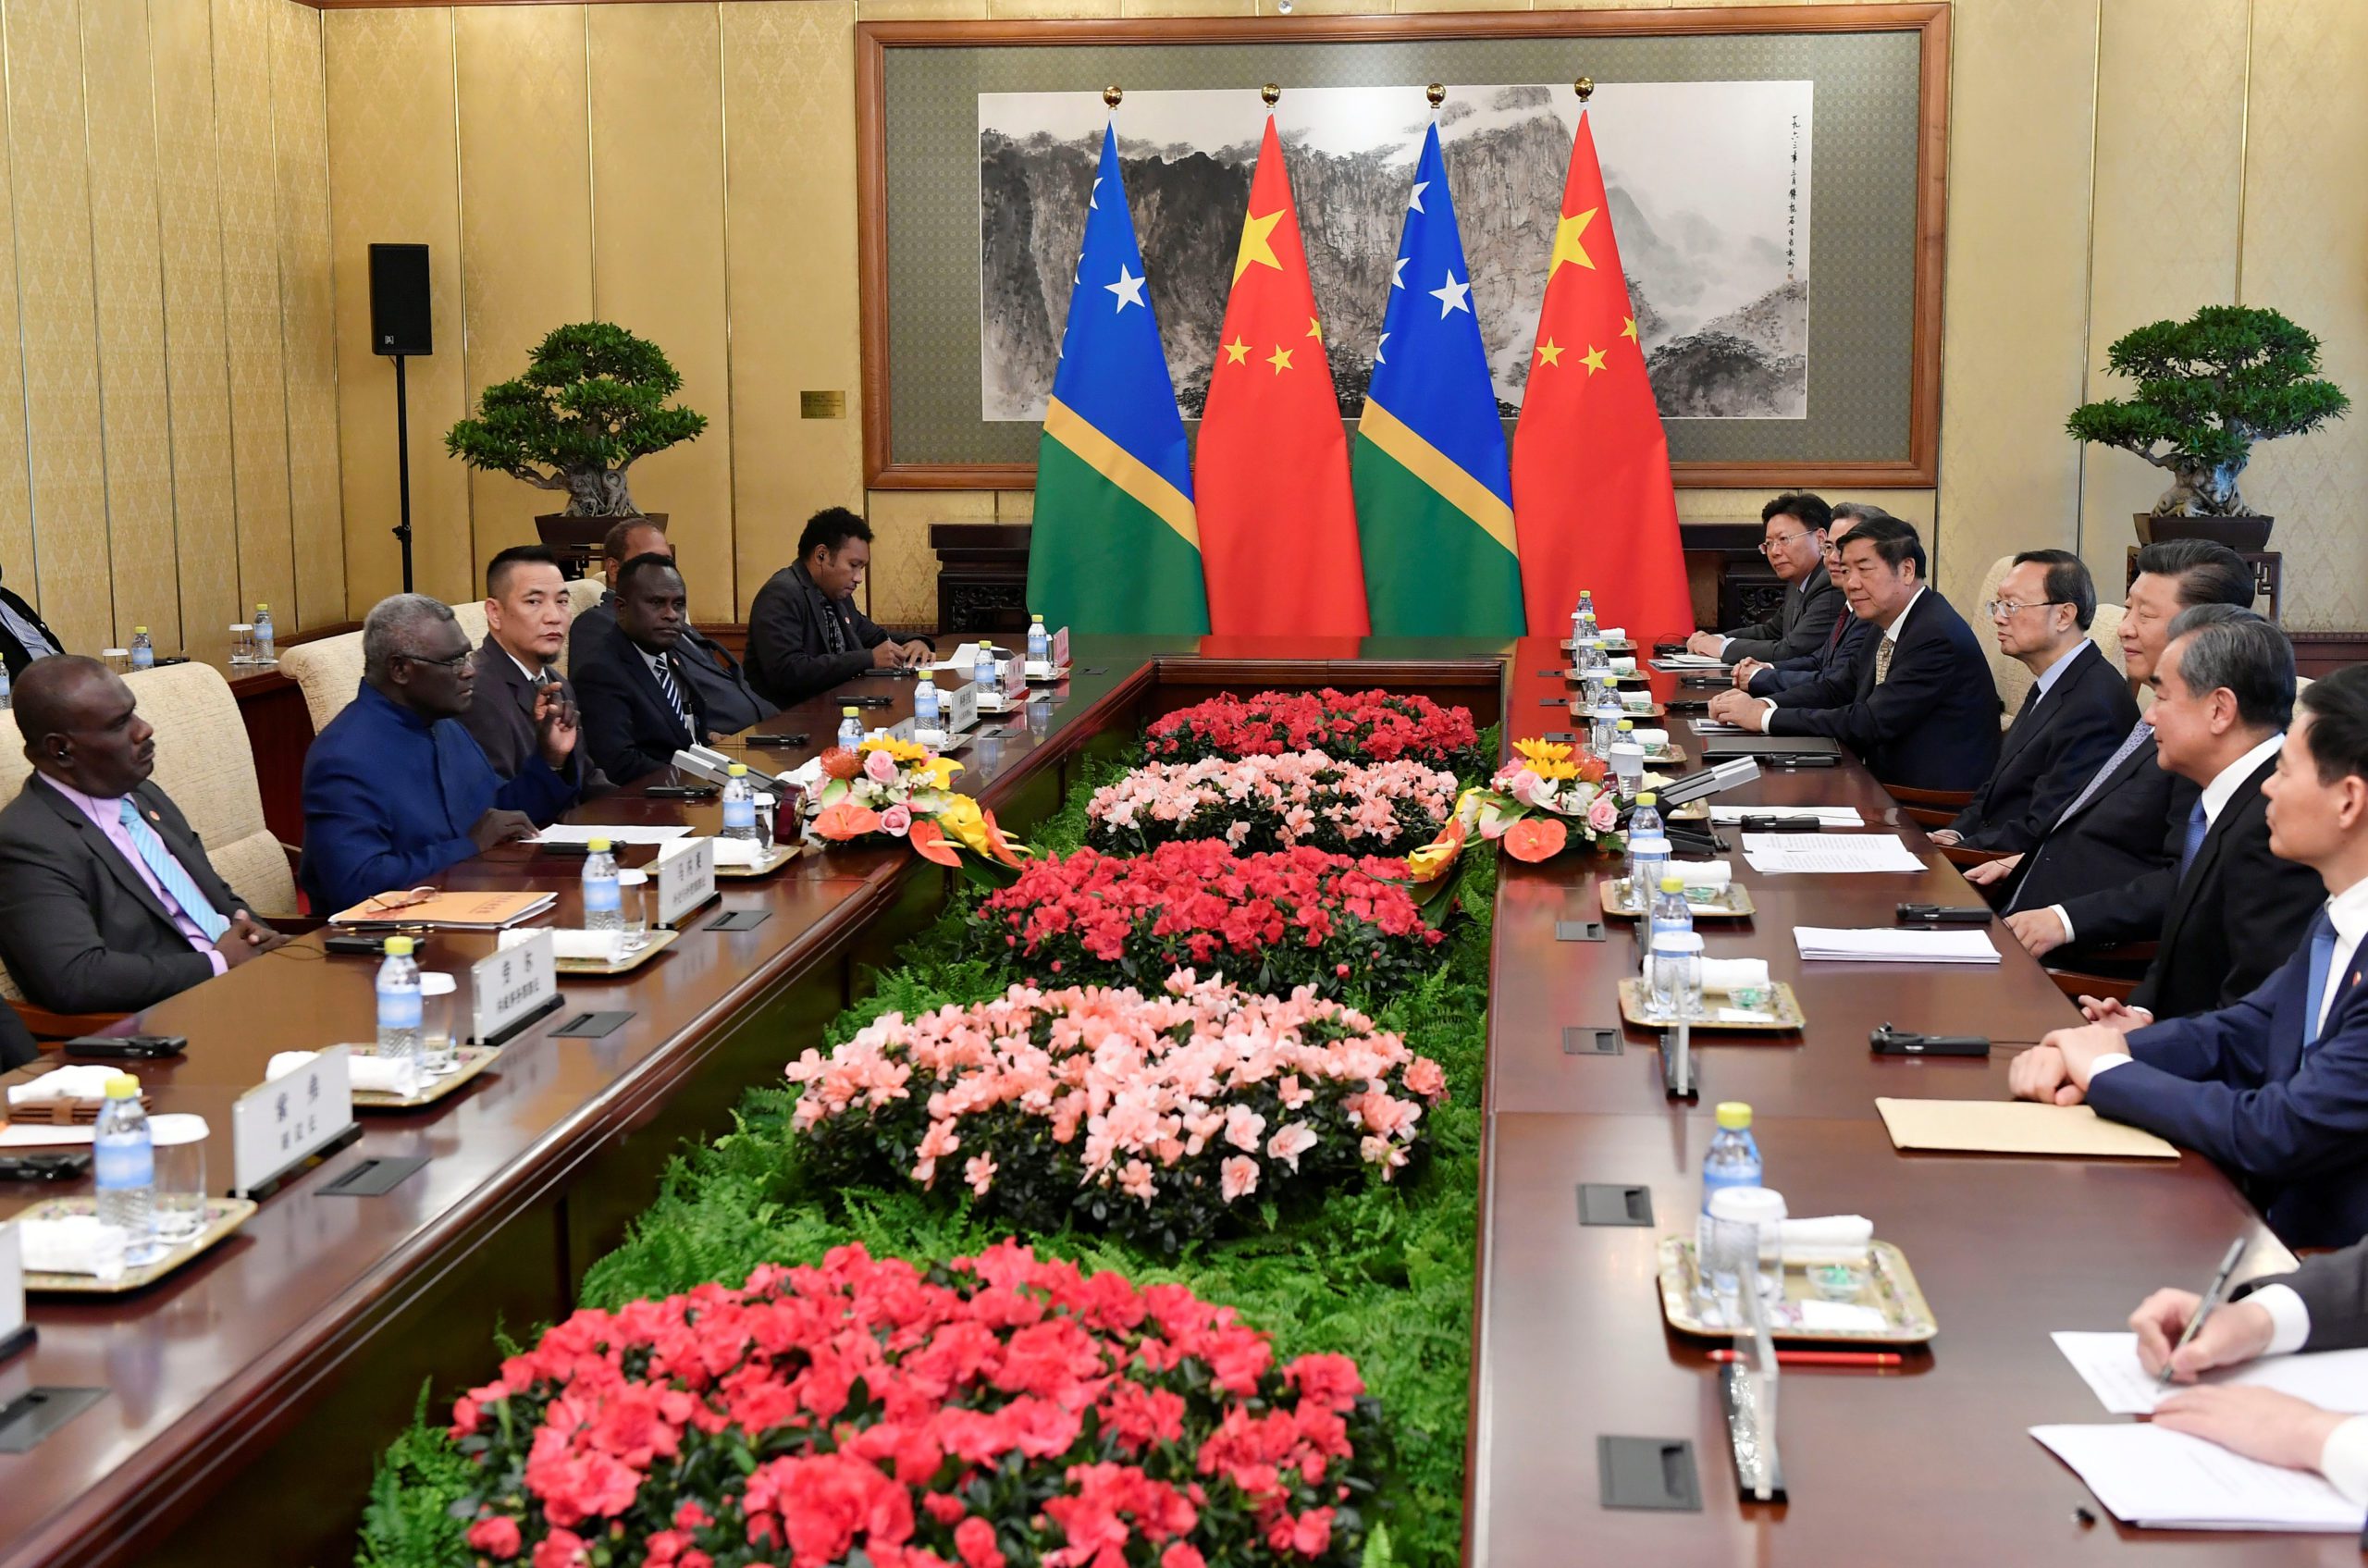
x=1585 y=88
x=1436 y=93
x=1110 y=95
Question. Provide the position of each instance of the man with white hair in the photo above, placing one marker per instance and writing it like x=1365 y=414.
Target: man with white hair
x=396 y=789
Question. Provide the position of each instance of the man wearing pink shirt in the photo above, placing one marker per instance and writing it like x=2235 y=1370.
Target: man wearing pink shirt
x=107 y=902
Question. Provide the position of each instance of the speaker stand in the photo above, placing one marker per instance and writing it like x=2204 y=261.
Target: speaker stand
x=402 y=466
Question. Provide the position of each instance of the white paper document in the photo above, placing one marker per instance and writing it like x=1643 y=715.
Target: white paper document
x=2153 y=1478
x=1772 y=853
x=1714 y=727
x=966 y=658
x=580 y=832
x=1827 y=816
x=2108 y=1362
x=1687 y=661
x=1890 y=944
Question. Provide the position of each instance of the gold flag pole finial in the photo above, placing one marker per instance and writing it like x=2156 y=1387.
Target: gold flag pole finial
x=1585 y=88
x=1436 y=93
x=1110 y=95
x=1271 y=91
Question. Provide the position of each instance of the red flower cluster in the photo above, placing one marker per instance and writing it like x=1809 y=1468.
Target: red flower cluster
x=1270 y=922
x=1363 y=727
x=997 y=1409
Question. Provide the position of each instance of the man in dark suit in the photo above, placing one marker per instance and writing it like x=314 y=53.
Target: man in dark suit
x=1767 y=677
x=639 y=705
x=24 y=636
x=2226 y=910
x=732 y=704
x=107 y=902
x=804 y=633
x=525 y=617
x=2077 y=711
x=1794 y=543
x=2114 y=829
x=2275 y=1086
x=1918 y=705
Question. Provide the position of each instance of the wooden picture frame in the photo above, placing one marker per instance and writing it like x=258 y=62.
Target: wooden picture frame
x=1929 y=19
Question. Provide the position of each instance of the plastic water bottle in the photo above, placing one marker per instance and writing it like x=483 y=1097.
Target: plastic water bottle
x=1733 y=1161
x=851 y=731
x=1603 y=728
x=398 y=1004
x=1587 y=612
x=1645 y=822
x=143 y=651
x=1646 y=857
x=264 y=652
x=739 y=805
x=927 y=715
x=982 y=670
x=604 y=906
x=123 y=1164
x=1040 y=641
x=1670 y=911
x=1628 y=771
x=4 y=700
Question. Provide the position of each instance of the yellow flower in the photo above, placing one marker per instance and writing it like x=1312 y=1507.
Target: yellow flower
x=936 y=773
x=1543 y=754
x=963 y=819
x=1546 y=770
x=900 y=750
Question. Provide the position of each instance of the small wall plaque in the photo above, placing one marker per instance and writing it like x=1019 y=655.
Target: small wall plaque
x=822 y=405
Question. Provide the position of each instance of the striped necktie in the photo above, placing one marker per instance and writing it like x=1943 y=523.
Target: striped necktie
x=1882 y=658
x=663 y=668
x=169 y=875
x=2138 y=734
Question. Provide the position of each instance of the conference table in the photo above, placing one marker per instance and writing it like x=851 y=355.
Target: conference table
x=246 y=1395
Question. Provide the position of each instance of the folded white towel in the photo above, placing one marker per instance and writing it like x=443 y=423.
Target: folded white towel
x=1623 y=665
x=1649 y=739
x=599 y=946
x=1612 y=633
x=63 y=1083
x=1726 y=976
x=1637 y=699
x=1703 y=873
x=82 y=1243
x=367 y=1075
x=737 y=852
x=1841 y=1238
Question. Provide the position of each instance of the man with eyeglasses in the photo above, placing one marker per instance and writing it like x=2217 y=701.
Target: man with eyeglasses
x=396 y=789
x=2077 y=711
x=1839 y=648
x=1795 y=546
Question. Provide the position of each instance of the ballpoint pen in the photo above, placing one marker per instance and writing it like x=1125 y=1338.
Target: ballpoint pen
x=2203 y=1308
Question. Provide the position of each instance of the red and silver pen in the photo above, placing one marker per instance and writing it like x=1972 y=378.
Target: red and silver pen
x=1821 y=1358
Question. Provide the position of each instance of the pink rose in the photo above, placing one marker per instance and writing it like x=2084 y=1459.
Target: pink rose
x=879 y=767
x=1238 y=1177
x=1525 y=786
x=1603 y=814
x=897 y=819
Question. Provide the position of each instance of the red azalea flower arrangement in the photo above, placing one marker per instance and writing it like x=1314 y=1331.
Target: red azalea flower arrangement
x=1271 y=922
x=1364 y=726
x=1158 y=1117
x=990 y=1410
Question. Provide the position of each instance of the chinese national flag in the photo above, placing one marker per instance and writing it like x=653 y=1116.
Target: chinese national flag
x=1278 y=520
x=1592 y=502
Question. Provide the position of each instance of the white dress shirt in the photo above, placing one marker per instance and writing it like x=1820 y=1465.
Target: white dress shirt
x=2045 y=680
x=2344 y=1459
x=2215 y=799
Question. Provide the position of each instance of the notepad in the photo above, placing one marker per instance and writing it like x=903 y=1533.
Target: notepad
x=2159 y=1479
x=579 y=833
x=1687 y=661
x=2016 y=1127
x=2108 y=1362
x=1827 y=816
x=1841 y=853
x=1890 y=944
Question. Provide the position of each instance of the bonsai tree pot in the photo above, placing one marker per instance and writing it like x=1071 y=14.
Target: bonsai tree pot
x=2245 y=535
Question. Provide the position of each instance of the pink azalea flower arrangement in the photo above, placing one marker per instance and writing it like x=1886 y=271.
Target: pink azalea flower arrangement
x=1277 y=802
x=1160 y=1118
x=1356 y=727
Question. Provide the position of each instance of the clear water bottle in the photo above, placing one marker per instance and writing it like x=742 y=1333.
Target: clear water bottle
x=1594 y=664
x=927 y=714
x=123 y=1164
x=1587 y=612
x=265 y=654
x=1645 y=822
x=1596 y=692
x=1603 y=728
x=4 y=700
x=604 y=906
x=982 y=670
x=1646 y=857
x=399 y=1002
x=1040 y=641
x=1733 y=1161
x=851 y=729
x=739 y=806
x=143 y=651
x=1627 y=757
x=1670 y=913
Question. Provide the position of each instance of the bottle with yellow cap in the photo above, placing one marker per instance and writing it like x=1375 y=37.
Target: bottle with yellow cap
x=399 y=1001
x=739 y=805
x=265 y=652
x=143 y=649
x=851 y=731
x=604 y=908
x=123 y=1164
x=1733 y=1161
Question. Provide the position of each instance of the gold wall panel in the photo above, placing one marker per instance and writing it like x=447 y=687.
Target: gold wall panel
x=18 y=549
x=526 y=221
x=59 y=324
x=657 y=254
x=308 y=323
x=789 y=95
x=393 y=176
x=904 y=569
x=127 y=269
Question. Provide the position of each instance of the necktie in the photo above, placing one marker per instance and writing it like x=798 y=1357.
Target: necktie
x=169 y=875
x=664 y=669
x=1883 y=659
x=2198 y=824
x=2322 y=940
x=2138 y=734
x=834 y=635
x=2030 y=700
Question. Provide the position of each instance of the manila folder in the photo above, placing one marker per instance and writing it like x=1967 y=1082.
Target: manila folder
x=2016 y=1127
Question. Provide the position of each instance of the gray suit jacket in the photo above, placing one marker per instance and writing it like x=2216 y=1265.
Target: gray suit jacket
x=503 y=720
x=2333 y=1286
x=79 y=928
x=1810 y=608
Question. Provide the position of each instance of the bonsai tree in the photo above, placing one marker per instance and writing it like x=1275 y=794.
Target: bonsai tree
x=592 y=403
x=2209 y=387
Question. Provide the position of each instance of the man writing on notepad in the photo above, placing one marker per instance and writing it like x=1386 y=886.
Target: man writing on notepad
x=2273 y=1088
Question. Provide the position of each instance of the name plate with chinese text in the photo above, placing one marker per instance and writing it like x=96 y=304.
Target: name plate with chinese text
x=960 y=708
x=686 y=878
x=513 y=984
x=285 y=1122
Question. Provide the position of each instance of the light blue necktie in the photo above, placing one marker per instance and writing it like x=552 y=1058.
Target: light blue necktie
x=169 y=875
x=2198 y=824
x=2322 y=959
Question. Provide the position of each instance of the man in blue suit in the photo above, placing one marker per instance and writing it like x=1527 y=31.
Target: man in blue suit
x=1918 y=704
x=1763 y=678
x=395 y=788
x=2273 y=1088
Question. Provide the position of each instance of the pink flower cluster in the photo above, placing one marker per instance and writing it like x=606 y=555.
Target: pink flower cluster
x=1277 y=802
x=1152 y=1115
x=1363 y=727
x=992 y=1411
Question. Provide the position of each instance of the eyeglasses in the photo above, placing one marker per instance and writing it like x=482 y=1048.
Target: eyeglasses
x=2012 y=608
x=1780 y=541
x=466 y=656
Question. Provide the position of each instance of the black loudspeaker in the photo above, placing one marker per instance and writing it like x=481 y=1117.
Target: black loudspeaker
x=398 y=316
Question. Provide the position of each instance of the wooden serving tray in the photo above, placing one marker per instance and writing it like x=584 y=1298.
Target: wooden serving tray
x=61 y=1113
x=1891 y=1289
x=222 y=1216
x=471 y=1061
x=1786 y=1007
x=1613 y=644
x=1732 y=903
x=778 y=855
x=654 y=941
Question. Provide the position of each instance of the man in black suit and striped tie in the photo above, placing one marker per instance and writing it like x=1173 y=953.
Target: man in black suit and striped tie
x=638 y=703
